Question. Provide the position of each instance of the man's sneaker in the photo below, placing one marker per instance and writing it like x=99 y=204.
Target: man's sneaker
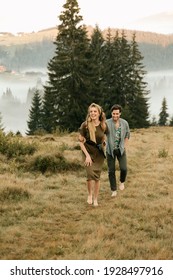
x=121 y=186
x=114 y=193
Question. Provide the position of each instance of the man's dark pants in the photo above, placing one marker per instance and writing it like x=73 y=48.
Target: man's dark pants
x=111 y=161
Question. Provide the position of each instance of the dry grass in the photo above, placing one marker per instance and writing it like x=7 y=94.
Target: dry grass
x=47 y=217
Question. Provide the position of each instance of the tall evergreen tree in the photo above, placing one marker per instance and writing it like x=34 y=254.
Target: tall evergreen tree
x=136 y=89
x=123 y=79
x=35 y=114
x=49 y=118
x=163 y=115
x=96 y=54
x=67 y=90
x=110 y=68
x=123 y=69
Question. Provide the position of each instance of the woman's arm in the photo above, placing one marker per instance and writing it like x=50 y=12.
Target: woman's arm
x=88 y=160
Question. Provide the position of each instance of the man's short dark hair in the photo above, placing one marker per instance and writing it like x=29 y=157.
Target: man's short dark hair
x=116 y=107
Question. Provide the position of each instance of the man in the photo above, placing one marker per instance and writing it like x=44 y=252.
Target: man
x=117 y=138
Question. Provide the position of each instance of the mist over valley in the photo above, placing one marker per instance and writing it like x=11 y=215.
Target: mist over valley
x=160 y=85
x=16 y=92
x=15 y=107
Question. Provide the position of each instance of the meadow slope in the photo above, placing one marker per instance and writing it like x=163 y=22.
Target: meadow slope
x=45 y=215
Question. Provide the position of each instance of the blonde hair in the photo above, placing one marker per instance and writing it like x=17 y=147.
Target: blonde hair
x=90 y=124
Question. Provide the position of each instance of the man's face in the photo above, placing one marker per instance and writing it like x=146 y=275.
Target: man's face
x=116 y=115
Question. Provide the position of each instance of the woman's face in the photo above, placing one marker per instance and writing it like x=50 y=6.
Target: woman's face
x=94 y=113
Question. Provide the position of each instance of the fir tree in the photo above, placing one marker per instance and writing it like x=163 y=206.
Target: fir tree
x=136 y=89
x=96 y=54
x=35 y=114
x=123 y=69
x=67 y=90
x=110 y=68
x=163 y=115
x=116 y=69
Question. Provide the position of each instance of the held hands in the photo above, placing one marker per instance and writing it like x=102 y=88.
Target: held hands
x=88 y=161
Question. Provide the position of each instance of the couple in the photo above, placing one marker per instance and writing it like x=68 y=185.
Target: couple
x=97 y=134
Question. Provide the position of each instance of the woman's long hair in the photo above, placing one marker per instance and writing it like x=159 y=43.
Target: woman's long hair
x=90 y=124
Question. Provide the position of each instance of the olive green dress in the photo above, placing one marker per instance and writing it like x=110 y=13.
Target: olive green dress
x=93 y=172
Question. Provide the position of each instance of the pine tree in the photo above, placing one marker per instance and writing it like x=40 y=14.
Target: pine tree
x=110 y=68
x=116 y=69
x=66 y=95
x=163 y=115
x=136 y=89
x=95 y=55
x=35 y=114
x=124 y=69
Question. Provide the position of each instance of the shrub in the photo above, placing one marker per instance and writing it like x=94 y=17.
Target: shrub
x=163 y=153
x=60 y=132
x=53 y=163
x=18 y=133
x=13 y=194
x=11 y=146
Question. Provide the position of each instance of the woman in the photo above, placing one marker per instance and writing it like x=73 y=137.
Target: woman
x=92 y=142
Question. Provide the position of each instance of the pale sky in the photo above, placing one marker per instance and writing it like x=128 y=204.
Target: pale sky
x=34 y=15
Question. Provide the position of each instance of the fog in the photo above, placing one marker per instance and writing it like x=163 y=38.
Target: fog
x=15 y=112
x=160 y=85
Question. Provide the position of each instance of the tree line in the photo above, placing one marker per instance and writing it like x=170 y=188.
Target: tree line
x=85 y=70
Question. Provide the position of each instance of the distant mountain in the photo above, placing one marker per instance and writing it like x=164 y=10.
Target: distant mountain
x=34 y=50
x=8 y=39
x=161 y=23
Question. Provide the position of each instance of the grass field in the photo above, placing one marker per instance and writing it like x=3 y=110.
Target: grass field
x=43 y=209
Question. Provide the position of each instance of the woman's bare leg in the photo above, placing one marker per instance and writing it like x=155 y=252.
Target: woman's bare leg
x=89 y=187
x=96 y=192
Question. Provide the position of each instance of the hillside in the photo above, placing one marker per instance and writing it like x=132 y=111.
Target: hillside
x=8 y=39
x=44 y=214
x=34 y=50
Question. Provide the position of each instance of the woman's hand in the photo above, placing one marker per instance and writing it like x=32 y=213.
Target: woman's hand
x=104 y=143
x=88 y=160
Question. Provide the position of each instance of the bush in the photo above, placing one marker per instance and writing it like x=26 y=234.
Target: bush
x=53 y=163
x=11 y=146
x=163 y=153
x=13 y=194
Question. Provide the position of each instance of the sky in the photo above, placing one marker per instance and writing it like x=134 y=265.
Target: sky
x=34 y=15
